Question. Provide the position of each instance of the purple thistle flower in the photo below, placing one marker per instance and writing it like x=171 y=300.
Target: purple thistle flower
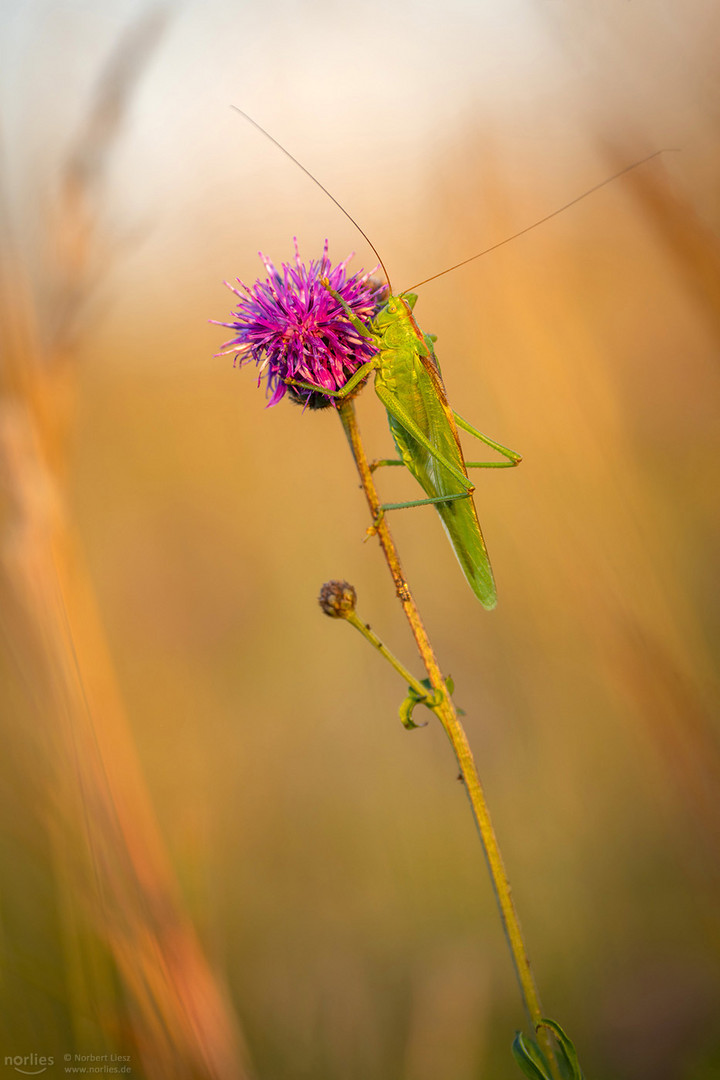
x=293 y=328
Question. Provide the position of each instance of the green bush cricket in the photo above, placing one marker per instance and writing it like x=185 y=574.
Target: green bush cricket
x=423 y=425
x=425 y=431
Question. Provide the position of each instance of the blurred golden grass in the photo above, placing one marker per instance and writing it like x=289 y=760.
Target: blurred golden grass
x=119 y=967
x=325 y=855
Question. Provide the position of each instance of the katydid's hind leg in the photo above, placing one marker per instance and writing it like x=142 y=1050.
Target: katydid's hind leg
x=395 y=409
x=513 y=458
x=382 y=462
x=408 y=505
x=492 y=464
x=425 y=502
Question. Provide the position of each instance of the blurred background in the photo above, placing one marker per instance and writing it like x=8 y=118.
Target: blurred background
x=221 y=853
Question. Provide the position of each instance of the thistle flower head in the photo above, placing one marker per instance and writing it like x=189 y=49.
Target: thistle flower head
x=292 y=328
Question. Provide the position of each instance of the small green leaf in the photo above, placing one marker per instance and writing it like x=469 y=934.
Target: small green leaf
x=568 y=1059
x=451 y=690
x=530 y=1058
x=533 y=1061
x=406 y=710
x=430 y=700
x=413 y=699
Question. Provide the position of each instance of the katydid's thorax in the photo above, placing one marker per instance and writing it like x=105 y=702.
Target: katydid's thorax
x=400 y=342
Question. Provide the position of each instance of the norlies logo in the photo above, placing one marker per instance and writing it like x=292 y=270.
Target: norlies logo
x=29 y=1064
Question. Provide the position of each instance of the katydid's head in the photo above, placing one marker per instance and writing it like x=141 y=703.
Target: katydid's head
x=396 y=305
x=295 y=330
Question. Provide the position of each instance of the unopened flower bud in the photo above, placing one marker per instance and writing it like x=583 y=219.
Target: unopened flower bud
x=337 y=599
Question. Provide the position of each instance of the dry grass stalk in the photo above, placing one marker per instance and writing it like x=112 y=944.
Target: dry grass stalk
x=113 y=878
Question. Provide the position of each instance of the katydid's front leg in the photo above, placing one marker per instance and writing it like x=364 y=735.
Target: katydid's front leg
x=362 y=371
x=357 y=323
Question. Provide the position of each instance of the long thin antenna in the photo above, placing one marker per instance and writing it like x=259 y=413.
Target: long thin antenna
x=528 y=228
x=321 y=186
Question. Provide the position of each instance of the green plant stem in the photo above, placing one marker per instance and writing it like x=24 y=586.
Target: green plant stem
x=375 y=641
x=455 y=732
